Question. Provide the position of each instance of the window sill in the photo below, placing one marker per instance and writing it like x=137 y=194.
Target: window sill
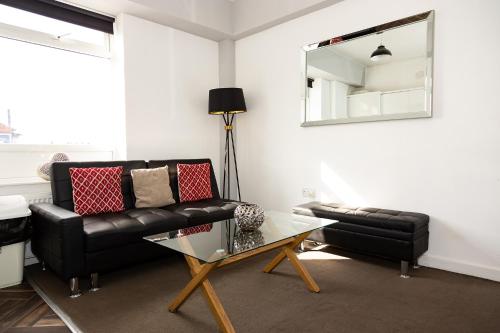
x=19 y=147
x=22 y=181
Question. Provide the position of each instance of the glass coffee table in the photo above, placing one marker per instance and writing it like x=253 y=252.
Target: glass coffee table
x=222 y=243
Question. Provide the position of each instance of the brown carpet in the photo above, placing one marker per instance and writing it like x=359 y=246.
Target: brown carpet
x=357 y=295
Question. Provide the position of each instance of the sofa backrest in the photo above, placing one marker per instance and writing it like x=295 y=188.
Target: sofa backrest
x=172 y=170
x=62 y=193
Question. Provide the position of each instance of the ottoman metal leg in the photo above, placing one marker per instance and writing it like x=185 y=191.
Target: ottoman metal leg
x=302 y=247
x=404 y=269
x=94 y=282
x=74 y=287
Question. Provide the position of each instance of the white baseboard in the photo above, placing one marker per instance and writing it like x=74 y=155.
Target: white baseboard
x=462 y=267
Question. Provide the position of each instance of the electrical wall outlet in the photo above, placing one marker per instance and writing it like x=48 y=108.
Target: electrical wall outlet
x=309 y=193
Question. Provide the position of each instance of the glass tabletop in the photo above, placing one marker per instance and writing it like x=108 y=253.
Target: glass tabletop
x=223 y=239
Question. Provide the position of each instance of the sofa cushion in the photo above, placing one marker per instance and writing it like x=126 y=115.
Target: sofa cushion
x=97 y=190
x=370 y=217
x=205 y=211
x=109 y=230
x=378 y=232
x=194 y=182
x=152 y=187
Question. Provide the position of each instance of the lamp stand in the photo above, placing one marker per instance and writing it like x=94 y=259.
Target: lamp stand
x=228 y=127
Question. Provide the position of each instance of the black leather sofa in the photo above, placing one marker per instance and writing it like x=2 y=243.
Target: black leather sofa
x=74 y=246
x=403 y=236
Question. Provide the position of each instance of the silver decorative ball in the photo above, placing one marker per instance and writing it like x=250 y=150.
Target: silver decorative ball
x=43 y=170
x=59 y=157
x=249 y=217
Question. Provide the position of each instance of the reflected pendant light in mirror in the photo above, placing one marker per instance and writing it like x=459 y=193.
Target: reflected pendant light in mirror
x=381 y=52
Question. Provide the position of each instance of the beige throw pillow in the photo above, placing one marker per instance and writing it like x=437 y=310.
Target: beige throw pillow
x=152 y=187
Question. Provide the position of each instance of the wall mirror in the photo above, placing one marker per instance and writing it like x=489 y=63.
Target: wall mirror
x=380 y=73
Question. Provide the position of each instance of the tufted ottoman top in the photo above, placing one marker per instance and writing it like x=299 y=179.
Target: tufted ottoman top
x=371 y=217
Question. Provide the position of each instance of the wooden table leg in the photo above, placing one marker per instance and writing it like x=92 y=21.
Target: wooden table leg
x=303 y=272
x=199 y=273
x=197 y=279
x=282 y=255
x=216 y=306
x=288 y=252
x=275 y=262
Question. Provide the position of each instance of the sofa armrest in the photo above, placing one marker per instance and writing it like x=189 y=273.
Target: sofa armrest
x=58 y=239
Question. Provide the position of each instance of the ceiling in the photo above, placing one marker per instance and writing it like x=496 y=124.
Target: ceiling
x=213 y=19
x=406 y=42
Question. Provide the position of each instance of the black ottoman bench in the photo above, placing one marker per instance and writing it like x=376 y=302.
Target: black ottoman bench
x=392 y=234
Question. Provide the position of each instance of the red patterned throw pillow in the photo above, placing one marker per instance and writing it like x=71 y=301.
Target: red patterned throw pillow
x=194 y=182
x=97 y=190
x=196 y=230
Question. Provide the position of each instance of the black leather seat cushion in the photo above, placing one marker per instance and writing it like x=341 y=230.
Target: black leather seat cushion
x=407 y=222
x=378 y=232
x=105 y=231
x=205 y=211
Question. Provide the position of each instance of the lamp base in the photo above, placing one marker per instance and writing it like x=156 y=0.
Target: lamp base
x=226 y=186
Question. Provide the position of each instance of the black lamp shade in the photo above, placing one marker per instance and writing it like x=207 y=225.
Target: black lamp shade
x=226 y=100
x=380 y=52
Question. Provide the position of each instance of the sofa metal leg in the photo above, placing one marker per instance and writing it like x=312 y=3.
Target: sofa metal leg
x=415 y=264
x=74 y=287
x=94 y=282
x=302 y=247
x=404 y=269
x=43 y=265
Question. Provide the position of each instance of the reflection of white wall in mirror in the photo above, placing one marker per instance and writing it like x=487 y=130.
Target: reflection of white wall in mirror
x=314 y=103
x=338 y=92
x=328 y=64
x=362 y=105
x=404 y=74
x=319 y=100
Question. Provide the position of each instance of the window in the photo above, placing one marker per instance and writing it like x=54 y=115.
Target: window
x=55 y=83
x=20 y=22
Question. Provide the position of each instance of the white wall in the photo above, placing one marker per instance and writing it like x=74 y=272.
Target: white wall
x=226 y=63
x=447 y=166
x=167 y=76
x=404 y=74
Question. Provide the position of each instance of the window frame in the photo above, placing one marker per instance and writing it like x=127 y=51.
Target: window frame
x=48 y=40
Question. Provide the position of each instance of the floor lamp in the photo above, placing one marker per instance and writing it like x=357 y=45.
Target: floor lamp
x=227 y=102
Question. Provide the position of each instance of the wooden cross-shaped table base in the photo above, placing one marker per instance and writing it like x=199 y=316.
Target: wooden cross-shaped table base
x=200 y=273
